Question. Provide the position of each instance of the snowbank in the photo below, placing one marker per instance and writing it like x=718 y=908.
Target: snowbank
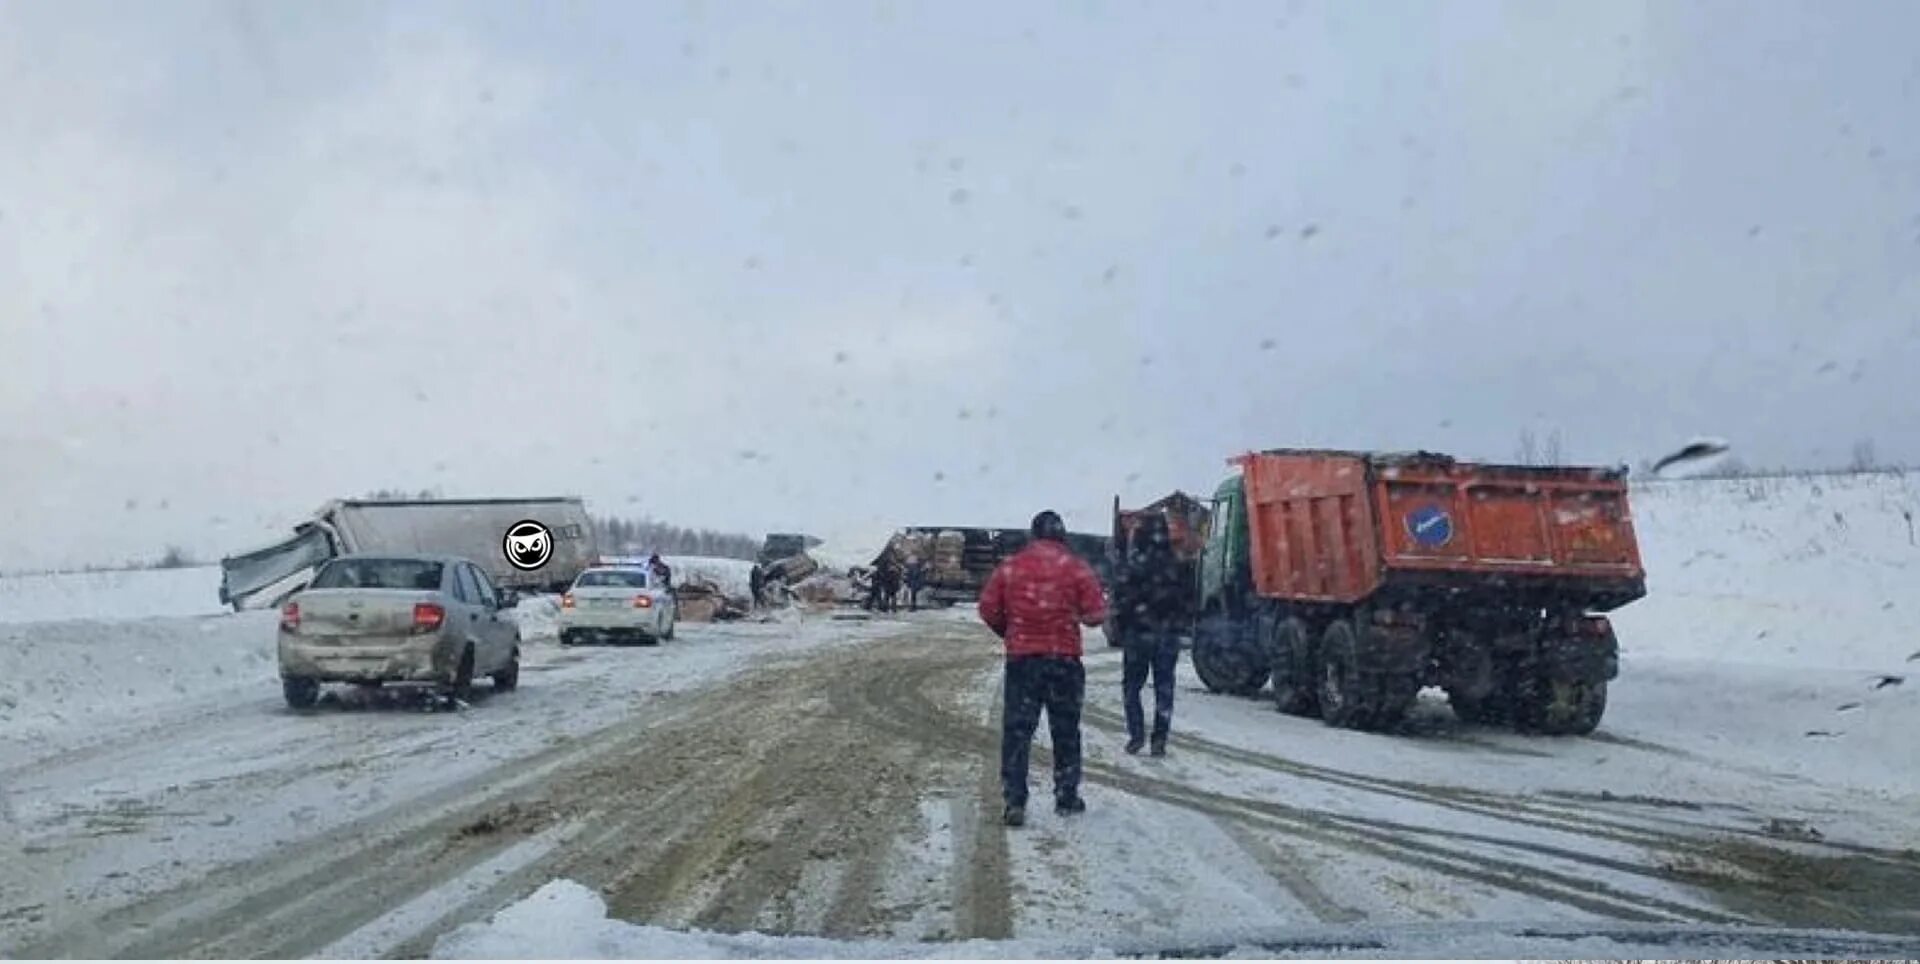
x=564 y=920
x=733 y=576
x=58 y=673
x=127 y=594
x=841 y=553
x=1808 y=572
x=538 y=617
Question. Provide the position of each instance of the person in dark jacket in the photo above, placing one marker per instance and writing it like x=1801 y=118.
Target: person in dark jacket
x=916 y=576
x=661 y=571
x=888 y=579
x=1153 y=593
x=1036 y=601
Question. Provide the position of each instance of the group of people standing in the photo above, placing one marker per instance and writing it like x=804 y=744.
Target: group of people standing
x=1037 y=601
x=890 y=575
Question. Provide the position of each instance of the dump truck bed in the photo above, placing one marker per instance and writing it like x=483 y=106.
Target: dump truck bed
x=1186 y=519
x=1339 y=527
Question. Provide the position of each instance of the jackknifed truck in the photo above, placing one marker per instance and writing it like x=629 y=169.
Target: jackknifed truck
x=1351 y=580
x=472 y=529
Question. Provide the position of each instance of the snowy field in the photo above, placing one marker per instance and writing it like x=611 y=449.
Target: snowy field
x=119 y=594
x=833 y=778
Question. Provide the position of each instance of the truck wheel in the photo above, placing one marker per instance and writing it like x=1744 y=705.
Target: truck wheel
x=1221 y=663
x=1342 y=697
x=1560 y=707
x=301 y=692
x=508 y=678
x=1290 y=649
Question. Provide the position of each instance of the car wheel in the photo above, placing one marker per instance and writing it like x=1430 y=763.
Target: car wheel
x=462 y=687
x=672 y=621
x=509 y=676
x=301 y=692
x=567 y=637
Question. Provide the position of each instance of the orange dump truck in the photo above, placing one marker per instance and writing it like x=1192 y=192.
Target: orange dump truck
x=1351 y=580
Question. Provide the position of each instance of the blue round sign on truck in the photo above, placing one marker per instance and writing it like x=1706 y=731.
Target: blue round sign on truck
x=1430 y=525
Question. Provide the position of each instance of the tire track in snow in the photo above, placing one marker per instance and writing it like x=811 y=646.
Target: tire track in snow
x=1530 y=810
x=905 y=714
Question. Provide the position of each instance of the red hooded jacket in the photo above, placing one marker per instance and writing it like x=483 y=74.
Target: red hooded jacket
x=1038 y=599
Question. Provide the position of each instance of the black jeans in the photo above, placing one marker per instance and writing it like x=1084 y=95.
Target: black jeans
x=1058 y=685
x=1158 y=652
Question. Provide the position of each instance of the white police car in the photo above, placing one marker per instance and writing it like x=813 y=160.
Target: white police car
x=617 y=601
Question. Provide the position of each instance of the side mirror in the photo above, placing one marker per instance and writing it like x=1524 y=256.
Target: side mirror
x=509 y=599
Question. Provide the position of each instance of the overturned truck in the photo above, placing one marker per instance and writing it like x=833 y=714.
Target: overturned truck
x=960 y=559
x=1351 y=580
x=474 y=529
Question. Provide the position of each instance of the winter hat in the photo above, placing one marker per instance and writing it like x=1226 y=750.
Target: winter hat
x=1048 y=525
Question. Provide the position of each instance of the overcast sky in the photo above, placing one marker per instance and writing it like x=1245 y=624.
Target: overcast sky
x=836 y=267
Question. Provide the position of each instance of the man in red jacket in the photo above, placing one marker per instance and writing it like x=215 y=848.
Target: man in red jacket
x=1037 y=601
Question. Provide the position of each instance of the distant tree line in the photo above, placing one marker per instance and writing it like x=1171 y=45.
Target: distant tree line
x=618 y=536
x=402 y=495
x=631 y=536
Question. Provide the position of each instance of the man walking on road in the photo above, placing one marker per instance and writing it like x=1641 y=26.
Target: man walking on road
x=1036 y=601
x=1153 y=598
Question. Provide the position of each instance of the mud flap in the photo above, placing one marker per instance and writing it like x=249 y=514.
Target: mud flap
x=1591 y=658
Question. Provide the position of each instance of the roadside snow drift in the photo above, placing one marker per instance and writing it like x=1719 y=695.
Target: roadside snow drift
x=732 y=576
x=1804 y=572
x=564 y=920
x=121 y=594
x=87 y=672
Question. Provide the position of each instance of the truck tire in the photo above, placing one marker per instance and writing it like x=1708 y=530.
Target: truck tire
x=1290 y=653
x=1351 y=698
x=1342 y=696
x=300 y=692
x=1556 y=706
x=1223 y=664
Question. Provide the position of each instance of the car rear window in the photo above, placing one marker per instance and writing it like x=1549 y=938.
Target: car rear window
x=628 y=578
x=416 y=574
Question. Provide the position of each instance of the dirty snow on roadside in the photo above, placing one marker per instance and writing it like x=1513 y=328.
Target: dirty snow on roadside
x=565 y=920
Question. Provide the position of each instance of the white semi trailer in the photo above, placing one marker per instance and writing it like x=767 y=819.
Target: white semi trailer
x=471 y=528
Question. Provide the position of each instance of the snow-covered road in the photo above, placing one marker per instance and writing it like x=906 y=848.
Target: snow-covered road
x=835 y=778
x=827 y=777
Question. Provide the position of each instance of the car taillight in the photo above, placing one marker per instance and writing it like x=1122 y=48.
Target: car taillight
x=427 y=617
x=290 y=617
x=643 y=602
x=566 y=601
